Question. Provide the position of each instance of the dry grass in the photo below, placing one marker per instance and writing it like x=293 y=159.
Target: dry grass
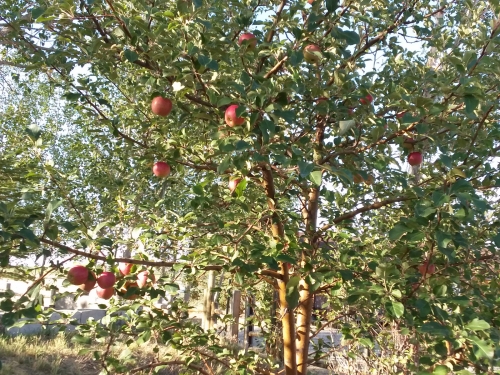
x=39 y=355
x=35 y=355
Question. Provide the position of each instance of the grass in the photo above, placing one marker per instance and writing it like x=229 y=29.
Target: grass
x=57 y=355
x=36 y=355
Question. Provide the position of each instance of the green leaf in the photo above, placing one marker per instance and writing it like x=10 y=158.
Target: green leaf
x=477 y=325
x=29 y=235
x=471 y=104
x=80 y=339
x=435 y=329
x=331 y=5
x=346 y=275
x=37 y=12
x=397 y=231
x=292 y=292
x=305 y=168
x=130 y=55
x=441 y=370
x=482 y=349
x=345 y=125
x=396 y=309
x=53 y=205
x=315 y=177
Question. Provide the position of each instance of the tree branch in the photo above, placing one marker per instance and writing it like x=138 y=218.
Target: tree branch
x=150 y=263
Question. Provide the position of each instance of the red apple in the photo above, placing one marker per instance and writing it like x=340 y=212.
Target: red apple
x=415 y=158
x=400 y=115
x=78 y=275
x=144 y=277
x=106 y=280
x=230 y=116
x=312 y=53
x=310 y=1
x=368 y=99
x=252 y=40
x=427 y=269
x=321 y=100
x=89 y=284
x=233 y=184
x=105 y=293
x=370 y=180
x=161 y=169
x=161 y=106
x=125 y=268
x=357 y=178
x=350 y=111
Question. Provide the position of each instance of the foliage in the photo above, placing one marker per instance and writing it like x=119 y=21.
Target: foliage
x=301 y=222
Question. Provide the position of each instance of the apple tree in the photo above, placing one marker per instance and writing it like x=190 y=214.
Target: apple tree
x=340 y=152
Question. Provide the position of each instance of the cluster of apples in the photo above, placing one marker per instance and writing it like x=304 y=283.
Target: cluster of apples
x=86 y=280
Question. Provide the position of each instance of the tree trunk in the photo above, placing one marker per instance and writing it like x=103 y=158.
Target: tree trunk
x=208 y=315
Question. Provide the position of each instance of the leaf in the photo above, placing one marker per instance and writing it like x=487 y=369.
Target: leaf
x=305 y=168
x=396 y=309
x=441 y=370
x=477 y=325
x=345 y=125
x=136 y=232
x=37 y=12
x=29 y=235
x=482 y=349
x=331 y=5
x=292 y=292
x=53 y=205
x=80 y=339
x=346 y=275
x=34 y=132
x=130 y=55
x=471 y=104
x=397 y=231
x=315 y=177
x=435 y=329
x=351 y=37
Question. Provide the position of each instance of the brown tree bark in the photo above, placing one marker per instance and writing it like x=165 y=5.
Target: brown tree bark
x=287 y=316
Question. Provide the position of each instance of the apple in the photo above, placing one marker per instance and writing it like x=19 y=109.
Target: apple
x=350 y=110
x=161 y=169
x=106 y=280
x=321 y=100
x=427 y=269
x=400 y=115
x=415 y=158
x=161 y=106
x=125 y=268
x=310 y=1
x=370 y=180
x=230 y=116
x=125 y=288
x=143 y=278
x=233 y=184
x=105 y=293
x=78 y=275
x=357 y=178
x=408 y=143
x=252 y=40
x=89 y=284
x=368 y=99
x=312 y=53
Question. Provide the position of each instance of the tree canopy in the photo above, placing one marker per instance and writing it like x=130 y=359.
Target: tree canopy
x=365 y=168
